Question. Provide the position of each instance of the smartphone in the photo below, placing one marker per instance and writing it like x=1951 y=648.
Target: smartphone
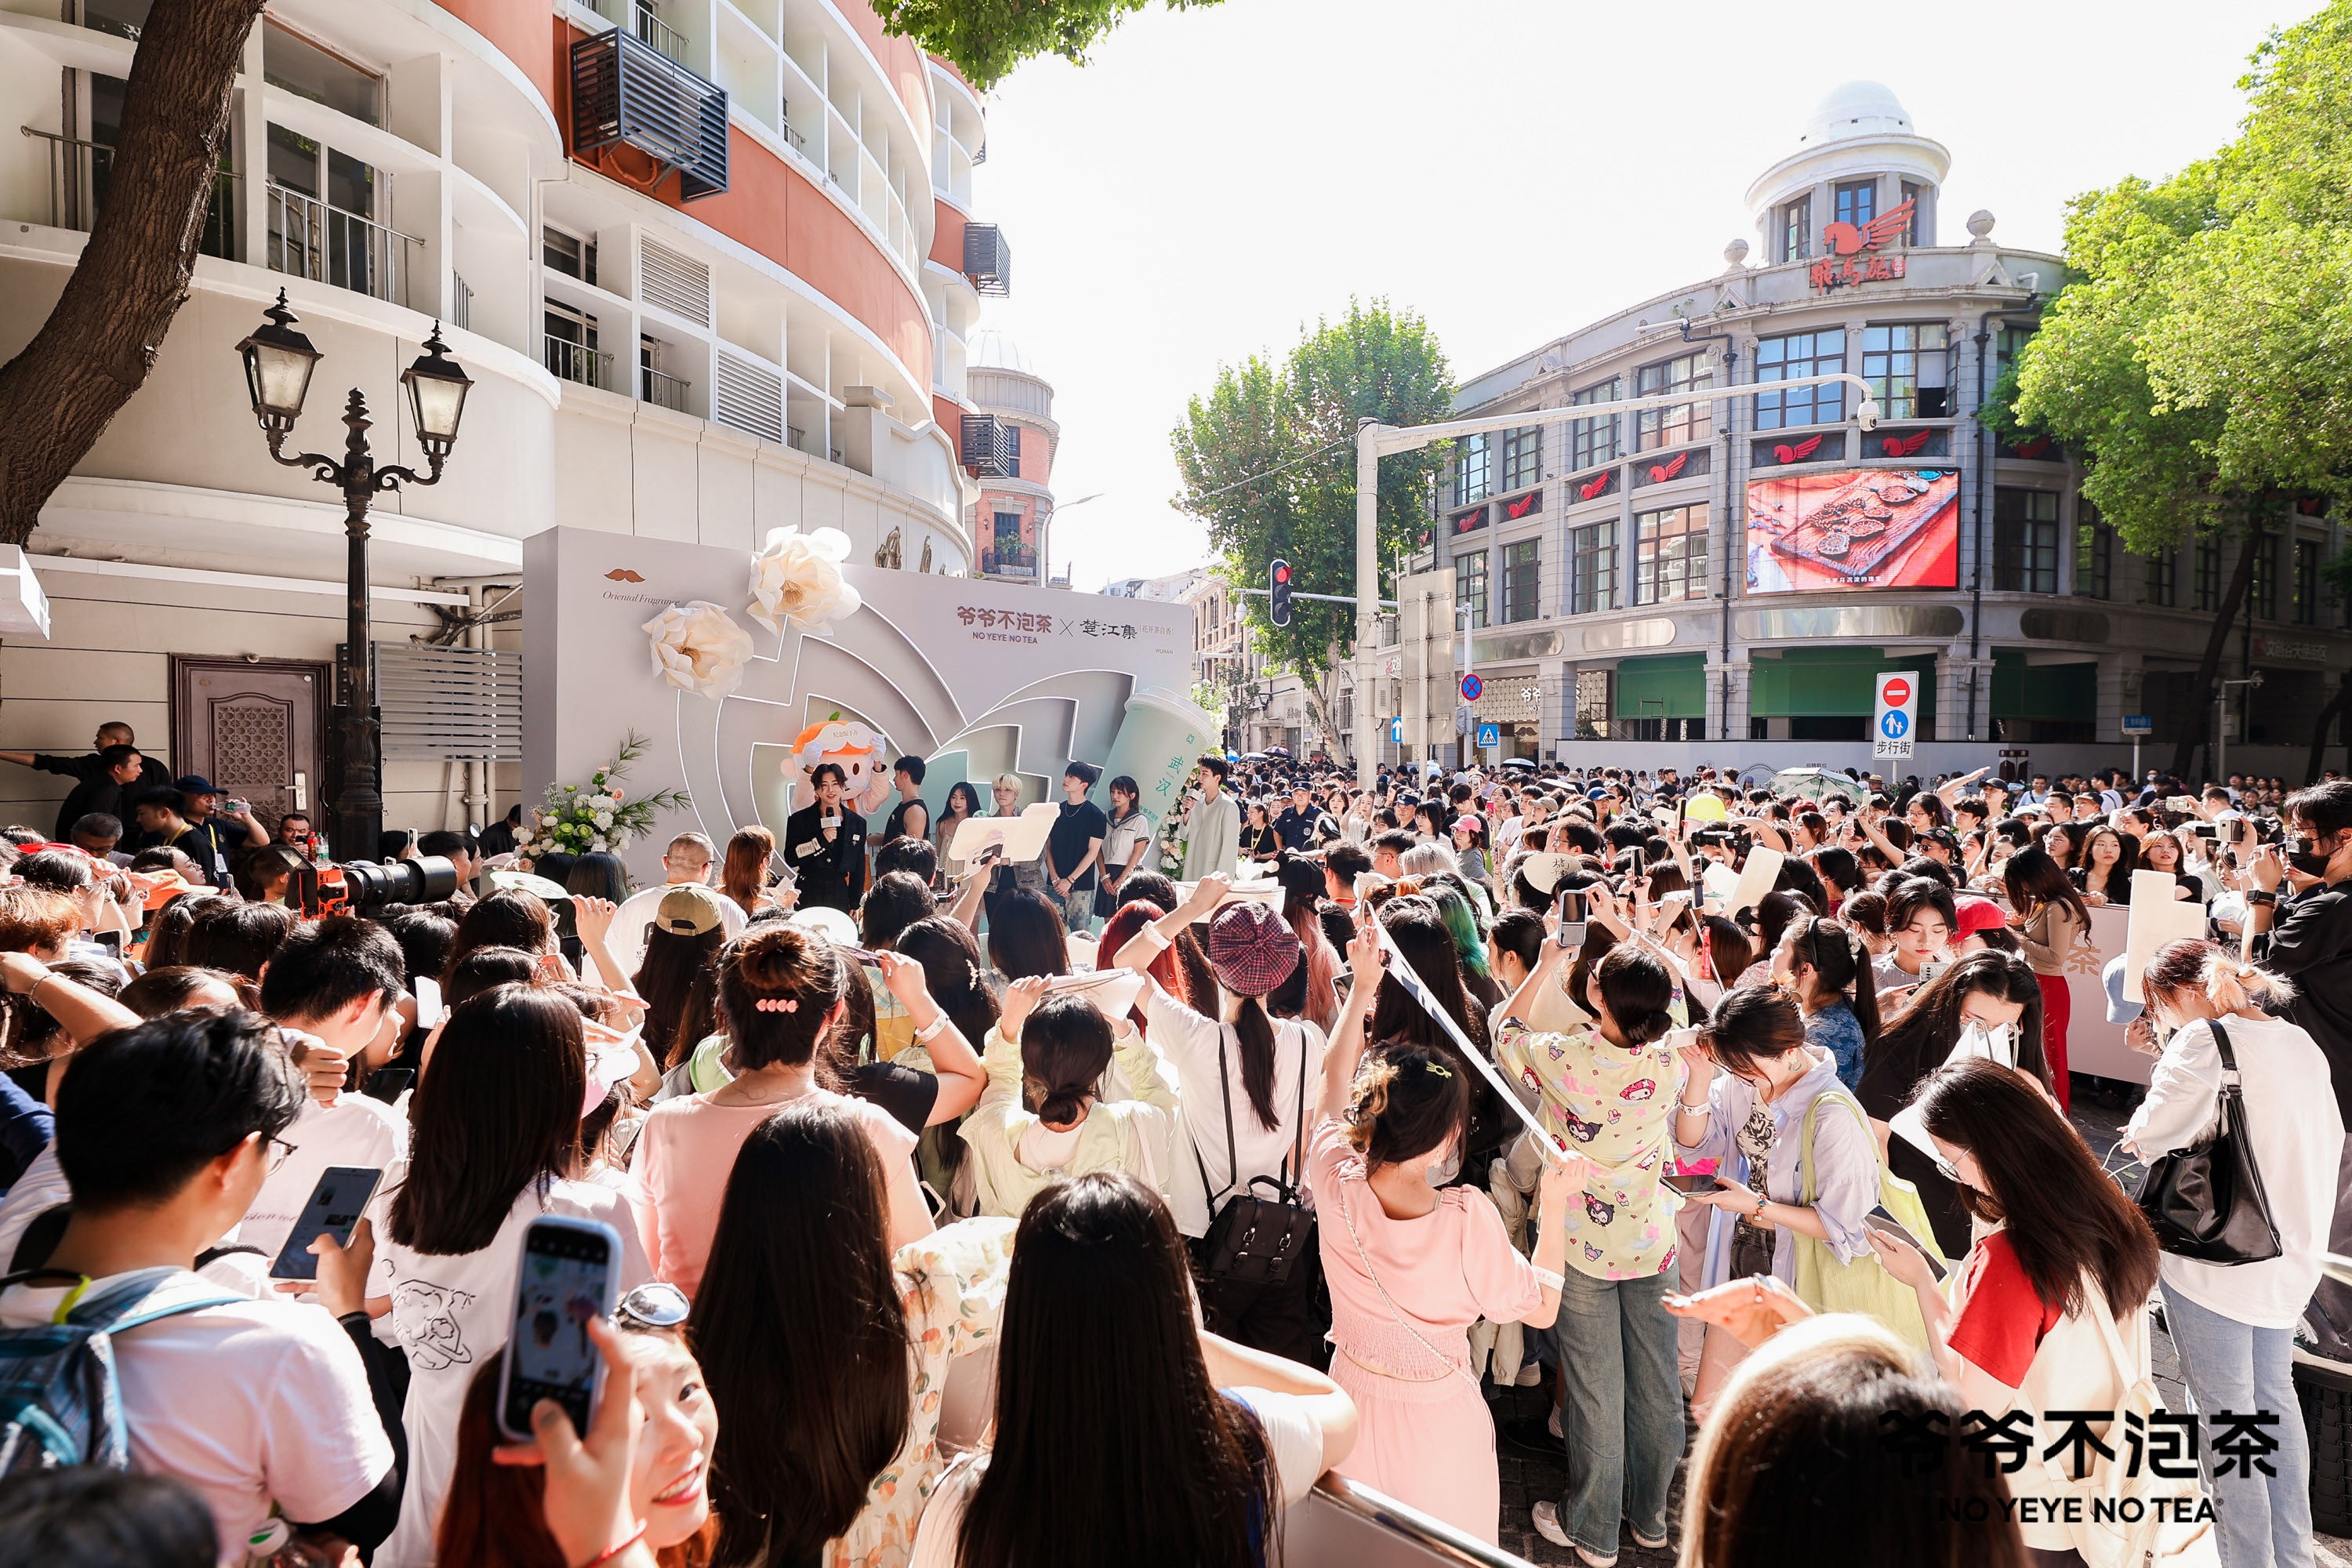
x=1886 y=1224
x=388 y=1084
x=564 y=1279
x=1689 y=1182
x=333 y=1208
x=1636 y=863
x=1571 y=920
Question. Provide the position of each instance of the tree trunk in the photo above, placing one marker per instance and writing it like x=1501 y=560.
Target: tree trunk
x=2208 y=668
x=57 y=395
x=2319 y=728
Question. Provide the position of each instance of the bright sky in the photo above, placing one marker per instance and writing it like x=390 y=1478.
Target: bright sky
x=1215 y=180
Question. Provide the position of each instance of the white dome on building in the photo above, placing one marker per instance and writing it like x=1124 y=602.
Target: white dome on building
x=992 y=348
x=1854 y=108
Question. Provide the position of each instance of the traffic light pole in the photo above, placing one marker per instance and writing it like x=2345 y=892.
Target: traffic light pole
x=1375 y=441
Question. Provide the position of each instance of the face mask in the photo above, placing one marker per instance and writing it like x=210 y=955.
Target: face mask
x=2309 y=862
x=1998 y=1043
x=1441 y=1171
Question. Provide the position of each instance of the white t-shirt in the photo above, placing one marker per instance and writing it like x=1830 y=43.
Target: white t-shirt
x=1293 y=1438
x=355 y=1130
x=1189 y=1043
x=250 y=1403
x=627 y=937
x=450 y=1313
x=2297 y=1135
x=41 y=1188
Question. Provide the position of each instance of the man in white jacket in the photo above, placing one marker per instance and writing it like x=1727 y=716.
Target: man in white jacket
x=1213 y=840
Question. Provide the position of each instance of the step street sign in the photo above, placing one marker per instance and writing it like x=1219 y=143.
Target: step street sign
x=1895 y=718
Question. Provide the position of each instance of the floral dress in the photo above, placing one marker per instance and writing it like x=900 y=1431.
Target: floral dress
x=951 y=1286
x=1612 y=1106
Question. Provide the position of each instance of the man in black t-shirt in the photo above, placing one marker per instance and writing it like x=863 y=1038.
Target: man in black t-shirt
x=906 y=772
x=161 y=825
x=1074 y=846
x=94 y=774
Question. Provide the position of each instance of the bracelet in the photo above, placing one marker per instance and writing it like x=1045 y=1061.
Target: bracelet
x=614 y=1550
x=1151 y=933
x=930 y=1031
x=32 y=991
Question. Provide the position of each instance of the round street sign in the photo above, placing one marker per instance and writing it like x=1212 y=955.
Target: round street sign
x=1895 y=726
x=1471 y=686
x=1897 y=692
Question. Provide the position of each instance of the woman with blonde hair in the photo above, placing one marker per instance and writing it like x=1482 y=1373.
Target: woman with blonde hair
x=2233 y=1324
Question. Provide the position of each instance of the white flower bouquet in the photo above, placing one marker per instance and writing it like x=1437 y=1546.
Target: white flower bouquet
x=583 y=819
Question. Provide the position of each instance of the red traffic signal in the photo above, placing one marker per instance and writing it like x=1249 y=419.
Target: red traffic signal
x=1278 y=592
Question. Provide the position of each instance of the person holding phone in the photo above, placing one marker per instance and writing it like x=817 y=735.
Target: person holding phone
x=1919 y=921
x=494 y=1143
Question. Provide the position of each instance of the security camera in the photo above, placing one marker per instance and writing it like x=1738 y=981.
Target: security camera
x=1867 y=414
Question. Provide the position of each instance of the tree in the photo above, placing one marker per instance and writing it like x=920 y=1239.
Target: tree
x=1269 y=461
x=986 y=38
x=62 y=389
x=2199 y=357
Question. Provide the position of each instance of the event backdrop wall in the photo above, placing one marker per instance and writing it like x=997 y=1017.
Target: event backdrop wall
x=979 y=677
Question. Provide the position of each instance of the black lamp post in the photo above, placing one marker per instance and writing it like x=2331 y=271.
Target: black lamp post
x=278 y=365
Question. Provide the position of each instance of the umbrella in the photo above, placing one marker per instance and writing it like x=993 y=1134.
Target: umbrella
x=1814 y=782
x=524 y=882
x=1517 y=763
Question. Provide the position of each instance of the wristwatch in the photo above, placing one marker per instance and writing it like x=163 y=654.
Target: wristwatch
x=2256 y=896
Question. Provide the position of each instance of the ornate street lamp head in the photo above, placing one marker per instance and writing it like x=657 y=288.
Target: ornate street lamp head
x=277 y=365
x=436 y=396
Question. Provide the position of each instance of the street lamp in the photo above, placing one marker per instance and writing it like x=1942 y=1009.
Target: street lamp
x=278 y=361
x=1044 y=536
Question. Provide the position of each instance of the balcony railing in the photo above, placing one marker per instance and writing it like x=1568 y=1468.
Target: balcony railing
x=318 y=240
x=643 y=17
x=569 y=361
x=662 y=389
x=79 y=171
x=461 y=303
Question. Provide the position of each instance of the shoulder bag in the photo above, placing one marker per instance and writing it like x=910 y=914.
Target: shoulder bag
x=2205 y=1200
x=1829 y=1283
x=1256 y=1239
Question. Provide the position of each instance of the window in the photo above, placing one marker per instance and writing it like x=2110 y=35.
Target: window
x=2209 y=575
x=1670 y=554
x=1857 y=202
x=1593 y=441
x=1673 y=427
x=2306 y=582
x=1593 y=703
x=1012 y=451
x=2264 y=590
x=1793 y=230
x=1592 y=568
x=1908 y=368
x=568 y=254
x=1912 y=194
x=569 y=346
x=302 y=67
x=1790 y=358
x=1522 y=580
x=2094 y=552
x=1470 y=586
x=2009 y=344
x=2163 y=584
x=322 y=209
x=1522 y=457
x=1472 y=469
x=2025 y=541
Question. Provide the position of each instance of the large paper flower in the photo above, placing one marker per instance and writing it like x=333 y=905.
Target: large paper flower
x=797 y=578
x=698 y=646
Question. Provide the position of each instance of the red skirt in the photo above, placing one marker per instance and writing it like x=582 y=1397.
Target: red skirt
x=2057 y=1011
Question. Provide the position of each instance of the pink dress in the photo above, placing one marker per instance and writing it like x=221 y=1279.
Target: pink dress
x=1424 y=1436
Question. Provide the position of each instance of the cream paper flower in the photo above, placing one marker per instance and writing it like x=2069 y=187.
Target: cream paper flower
x=797 y=578
x=697 y=647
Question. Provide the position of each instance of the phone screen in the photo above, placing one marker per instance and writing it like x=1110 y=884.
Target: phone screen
x=1687 y=1182
x=388 y=1084
x=1878 y=1219
x=1571 y=920
x=565 y=1278
x=1636 y=863
x=332 y=1209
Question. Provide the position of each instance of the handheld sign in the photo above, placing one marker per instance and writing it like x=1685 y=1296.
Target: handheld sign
x=2156 y=918
x=1022 y=837
x=1756 y=878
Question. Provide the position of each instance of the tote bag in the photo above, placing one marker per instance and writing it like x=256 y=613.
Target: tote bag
x=1827 y=1283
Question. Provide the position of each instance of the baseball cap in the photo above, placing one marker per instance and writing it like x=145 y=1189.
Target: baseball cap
x=688 y=910
x=1972 y=914
x=195 y=783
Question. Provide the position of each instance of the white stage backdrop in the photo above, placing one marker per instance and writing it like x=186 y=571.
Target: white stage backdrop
x=979 y=677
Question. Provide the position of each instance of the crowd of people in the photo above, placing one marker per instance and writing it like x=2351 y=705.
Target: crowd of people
x=1088 y=1209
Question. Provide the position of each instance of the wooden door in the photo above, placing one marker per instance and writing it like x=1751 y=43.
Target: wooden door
x=255 y=728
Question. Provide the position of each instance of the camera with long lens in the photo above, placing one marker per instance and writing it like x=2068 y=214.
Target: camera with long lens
x=364 y=886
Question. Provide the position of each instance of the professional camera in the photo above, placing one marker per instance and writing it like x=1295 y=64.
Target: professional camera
x=364 y=886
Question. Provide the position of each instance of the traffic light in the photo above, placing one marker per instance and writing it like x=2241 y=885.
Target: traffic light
x=1277 y=584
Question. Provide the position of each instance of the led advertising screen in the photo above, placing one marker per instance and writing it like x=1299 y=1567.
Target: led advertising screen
x=1855 y=528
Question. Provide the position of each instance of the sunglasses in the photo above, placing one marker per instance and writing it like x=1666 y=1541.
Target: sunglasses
x=654 y=1305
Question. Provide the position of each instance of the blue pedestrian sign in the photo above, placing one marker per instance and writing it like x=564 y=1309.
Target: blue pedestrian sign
x=1490 y=735
x=1396 y=732
x=1894 y=725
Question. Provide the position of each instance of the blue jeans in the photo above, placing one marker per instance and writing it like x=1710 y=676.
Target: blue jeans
x=2265 y=1520
x=1622 y=1413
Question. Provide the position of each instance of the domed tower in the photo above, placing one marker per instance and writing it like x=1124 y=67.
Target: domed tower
x=1861 y=177
x=1009 y=523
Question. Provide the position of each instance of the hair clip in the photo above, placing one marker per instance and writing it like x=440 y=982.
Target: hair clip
x=778 y=1005
x=1436 y=1068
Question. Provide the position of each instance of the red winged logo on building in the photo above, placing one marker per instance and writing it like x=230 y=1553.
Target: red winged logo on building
x=1784 y=453
x=1905 y=445
x=1598 y=486
x=1845 y=239
x=1515 y=509
x=1660 y=473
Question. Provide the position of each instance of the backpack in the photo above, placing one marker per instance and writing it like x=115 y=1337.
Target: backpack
x=60 y=1400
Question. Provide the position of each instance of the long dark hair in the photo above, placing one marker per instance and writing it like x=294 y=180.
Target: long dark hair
x=799 y=1327
x=950 y=961
x=498 y=1112
x=1840 y=963
x=1104 y=1403
x=679 y=1010
x=1026 y=937
x=2071 y=1220
x=507 y=918
x=1420 y=933
x=2031 y=879
x=1920 y=1039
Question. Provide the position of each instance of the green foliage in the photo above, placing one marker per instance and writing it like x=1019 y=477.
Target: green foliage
x=1268 y=460
x=986 y=38
x=2202 y=355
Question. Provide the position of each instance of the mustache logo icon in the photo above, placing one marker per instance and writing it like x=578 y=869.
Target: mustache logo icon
x=623 y=574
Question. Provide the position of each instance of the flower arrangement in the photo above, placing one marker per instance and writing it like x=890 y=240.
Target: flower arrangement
x=578 y=820
x=1175 y=835
x=796 y=578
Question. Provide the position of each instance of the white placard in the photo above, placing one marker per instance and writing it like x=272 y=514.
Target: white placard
x=2156 y=918
x=1756 y=878
x=1022 y=837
